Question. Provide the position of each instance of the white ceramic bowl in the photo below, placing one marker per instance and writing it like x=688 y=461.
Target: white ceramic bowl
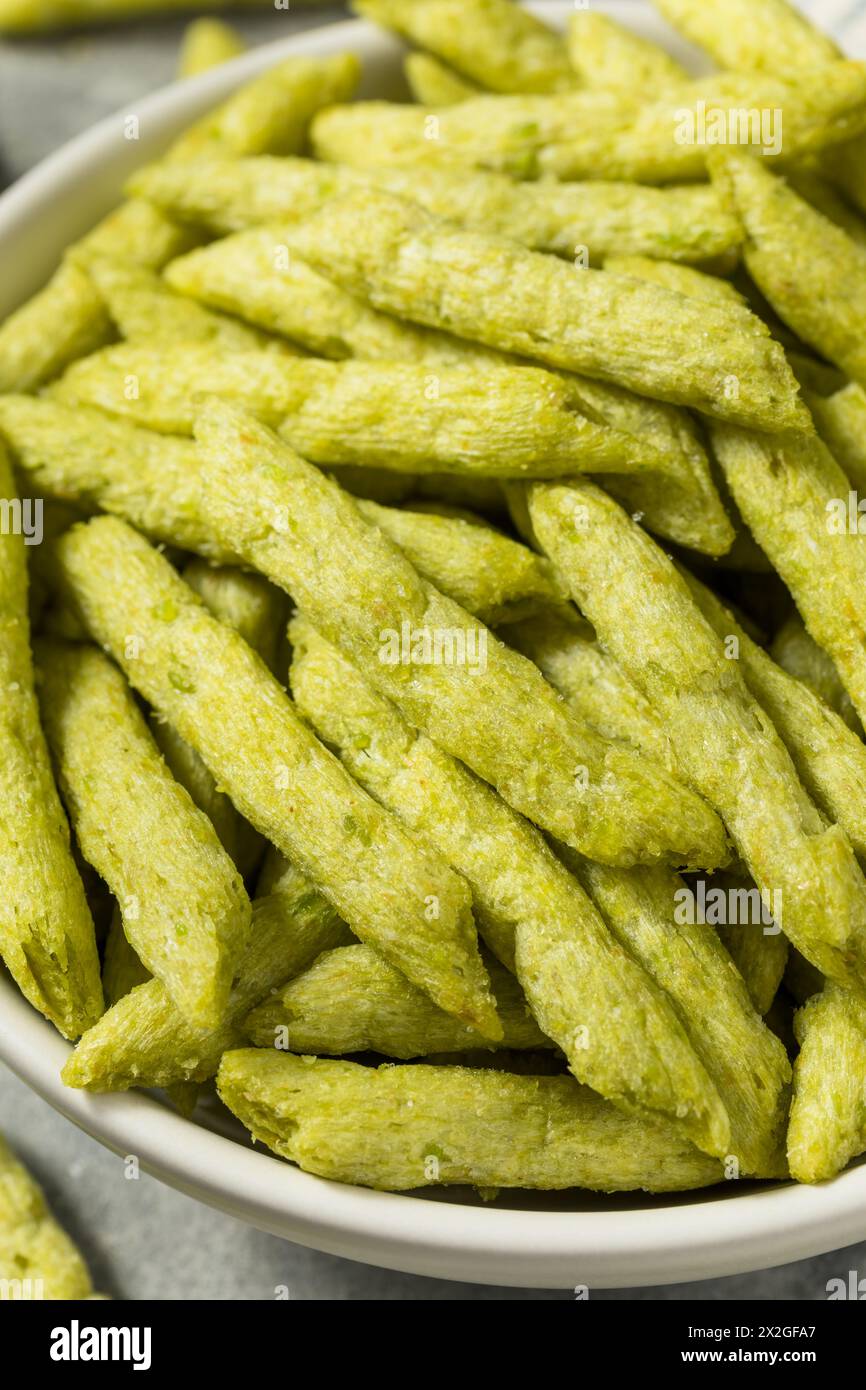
x=524 y=1240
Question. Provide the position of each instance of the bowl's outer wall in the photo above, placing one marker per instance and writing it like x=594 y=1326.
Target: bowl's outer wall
x=698 y=1239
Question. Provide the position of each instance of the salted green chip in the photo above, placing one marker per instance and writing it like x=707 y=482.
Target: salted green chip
x=645 y=616
x=37 y=1258
x=182 y=901
x=221 y=698
x=771 y=34
x=811 y=271
x=799 y=654
x=614 y=1026
x=145 y=308
x=448 y=674
x=840 y=418
x=493 y=577
x=604 y=53
x=493 y=42
x=651 y=913
x=609 y=134
x=352 y=1000
x=761 y=957
x=798 y=505
x=682 y=278
x=122 y=969
x=828 y=1113
x=47 y=938
x=515 y=421
x=144 y=1041
x=68 y=318
x=272 y=112
x=446 y=1125
x=590 y=220
x=255 y=276
x=434 y=83
x=829 y=756
x=569 y=655
x=486 y=288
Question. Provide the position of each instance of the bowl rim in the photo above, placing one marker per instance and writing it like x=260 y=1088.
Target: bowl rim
x=695 y=1239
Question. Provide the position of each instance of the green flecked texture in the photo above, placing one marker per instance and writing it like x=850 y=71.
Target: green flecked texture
x=254 y=276
x=446 y=1125
x=840 y=419
x=748 y=34
x=143 y=307
x=644 y=614
x=643 y=336
x=32 y=1245
x=683 y=503
x=606 y=54
x=811 y=271
x=144 y=1041
x=614 y=1026
x=272 y=112
x=352 y=1000
x=47 y=938
x=829 y=756
x=511 y=422
x=569 y=655
x=799 y=654
x=31 y=351
x=681 y=224
x=183 y=903
x=493 y=42
x=137 y=233
x=247 y=602
x=682 y=278
x=434 y=83
x=480 y=701
x=82 y=455
x=256 y=610
x=69 y=317
x=221 y=698
x=828 y=1114
x=596 y=134
x=786 y=488
x=153 y=481
x=745 y=1062
x=269 y=114
x=493 y=577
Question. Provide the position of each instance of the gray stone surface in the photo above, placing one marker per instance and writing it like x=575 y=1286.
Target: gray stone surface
x=143 y=1240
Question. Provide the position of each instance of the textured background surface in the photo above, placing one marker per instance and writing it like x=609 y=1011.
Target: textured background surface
x=143 y=1240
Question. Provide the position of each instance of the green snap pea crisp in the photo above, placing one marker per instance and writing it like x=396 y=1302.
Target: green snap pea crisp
x=432 y=617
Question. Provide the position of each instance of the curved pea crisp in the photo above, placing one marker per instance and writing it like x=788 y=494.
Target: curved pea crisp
x=452 y=1125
